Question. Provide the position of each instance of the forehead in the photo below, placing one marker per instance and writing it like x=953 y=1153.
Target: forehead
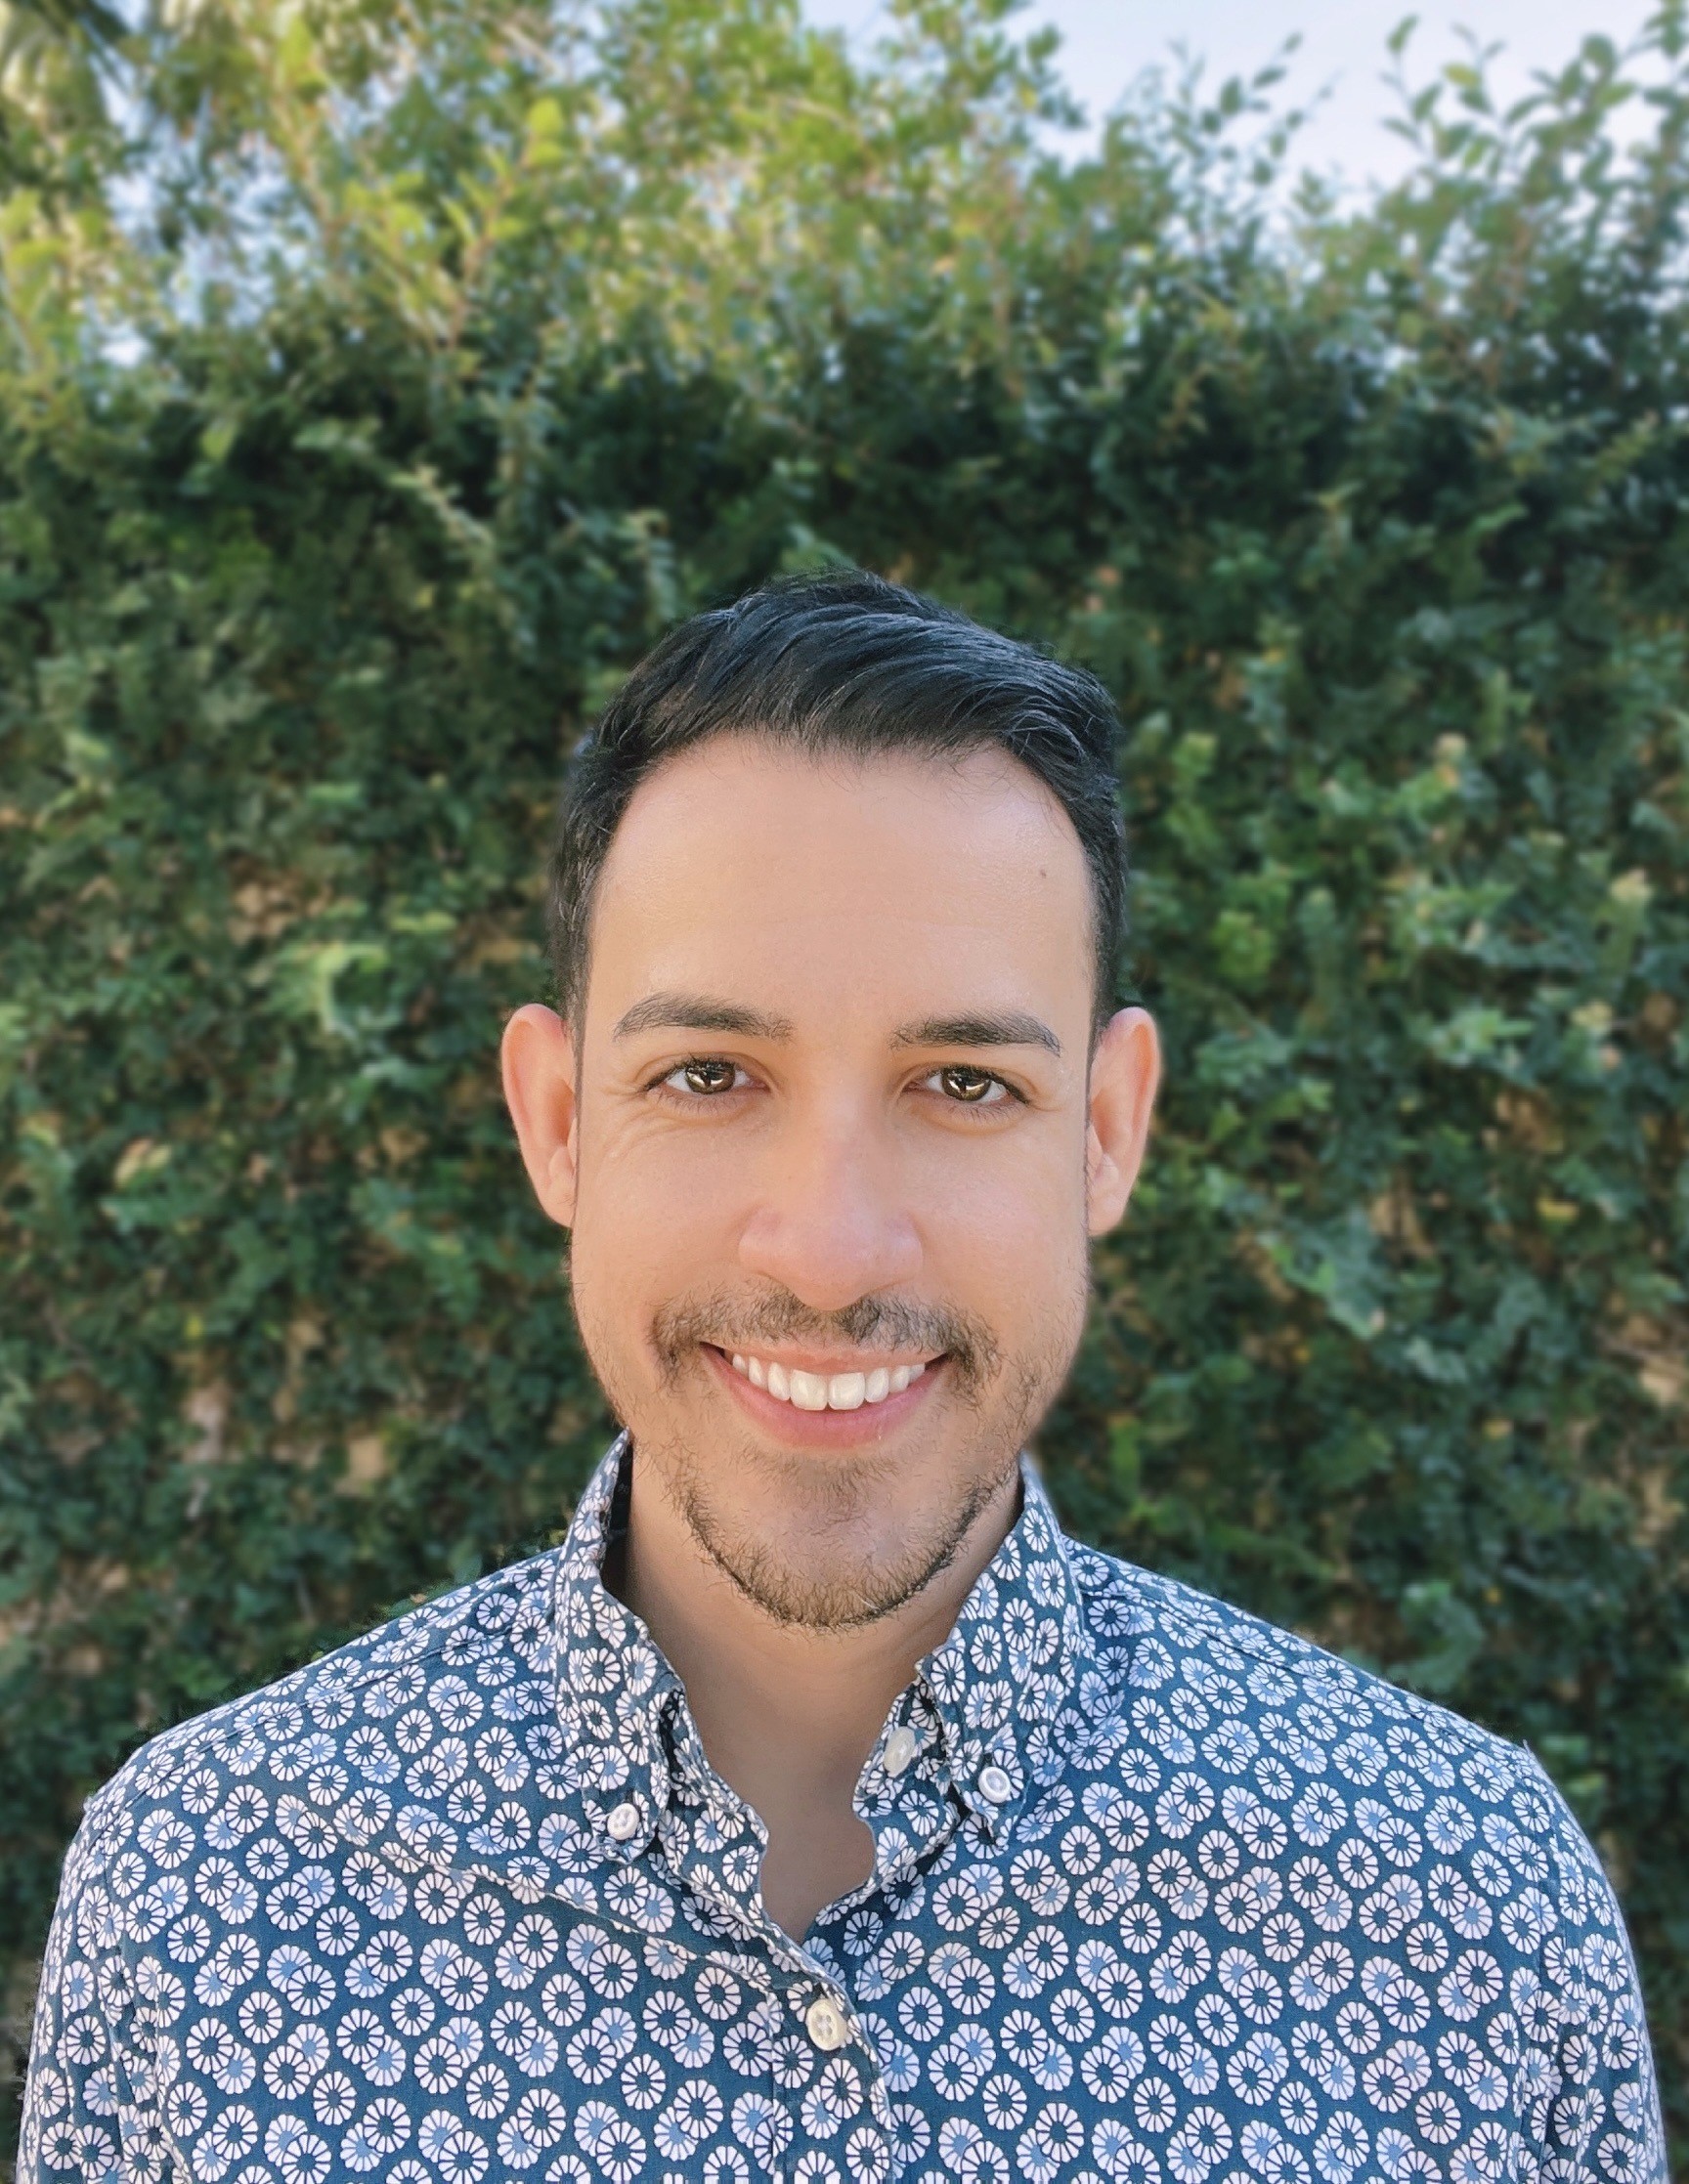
x=754 y=870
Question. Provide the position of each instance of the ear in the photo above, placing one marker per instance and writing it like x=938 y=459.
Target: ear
x=1125 y=1070
x=538 y=1056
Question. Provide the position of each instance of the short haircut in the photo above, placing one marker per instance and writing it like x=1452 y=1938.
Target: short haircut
x=843 y=663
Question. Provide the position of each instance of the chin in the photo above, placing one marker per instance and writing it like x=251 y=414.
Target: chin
x=825 y=1550
x=807 y=1595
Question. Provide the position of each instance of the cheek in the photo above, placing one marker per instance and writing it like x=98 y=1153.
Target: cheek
x=1009 y=1234
x=1023 y=1189
x=649 y=1228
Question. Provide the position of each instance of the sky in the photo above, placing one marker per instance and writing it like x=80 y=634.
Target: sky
x=1107 y=43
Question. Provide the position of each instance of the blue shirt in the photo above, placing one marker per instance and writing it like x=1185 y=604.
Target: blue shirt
x=1159 y=1894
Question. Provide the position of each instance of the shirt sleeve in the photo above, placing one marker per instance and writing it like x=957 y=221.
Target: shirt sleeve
x=1592 y=2106
x=82 y=2124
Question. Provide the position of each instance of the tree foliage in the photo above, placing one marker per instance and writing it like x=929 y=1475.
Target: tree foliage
x=378 y=377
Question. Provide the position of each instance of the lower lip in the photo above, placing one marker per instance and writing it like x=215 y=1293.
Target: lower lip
x=824 y=1429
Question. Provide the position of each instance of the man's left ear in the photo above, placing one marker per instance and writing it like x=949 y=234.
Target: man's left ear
x=1125 y=1070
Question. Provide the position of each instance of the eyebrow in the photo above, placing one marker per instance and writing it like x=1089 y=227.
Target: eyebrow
x=704 y=1012
x=1011 y=1029
x=700 y=1012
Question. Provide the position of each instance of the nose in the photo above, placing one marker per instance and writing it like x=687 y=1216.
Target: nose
x=832 y=1226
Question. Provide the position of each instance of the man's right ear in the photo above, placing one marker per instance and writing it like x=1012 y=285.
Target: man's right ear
x=537 y=1057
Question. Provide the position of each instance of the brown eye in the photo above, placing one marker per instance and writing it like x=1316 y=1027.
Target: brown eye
x=974 y=1087
x=706 y=1077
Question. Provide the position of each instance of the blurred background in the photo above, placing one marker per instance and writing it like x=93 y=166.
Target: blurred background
x=379 y=377
x=1338 y=70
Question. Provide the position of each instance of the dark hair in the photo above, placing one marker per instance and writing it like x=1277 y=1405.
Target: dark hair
x=843 y=663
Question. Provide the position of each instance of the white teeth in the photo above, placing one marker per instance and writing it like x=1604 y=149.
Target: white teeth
x=823 y=1390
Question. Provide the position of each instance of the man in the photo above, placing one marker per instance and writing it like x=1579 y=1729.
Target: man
x=817 y=1811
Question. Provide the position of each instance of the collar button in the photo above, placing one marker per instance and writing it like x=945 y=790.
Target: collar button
x=900 y=1748
x=826 y=2025
x=622 y=1822
x=995 y=1786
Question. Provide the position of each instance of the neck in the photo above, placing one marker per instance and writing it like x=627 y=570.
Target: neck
x=787 y=1715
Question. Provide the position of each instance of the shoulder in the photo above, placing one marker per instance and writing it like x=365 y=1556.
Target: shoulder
x=1324 y=1835
x=287 y=1736
x=1238 y=1717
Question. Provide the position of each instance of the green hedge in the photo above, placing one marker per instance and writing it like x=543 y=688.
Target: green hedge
x=358 y=429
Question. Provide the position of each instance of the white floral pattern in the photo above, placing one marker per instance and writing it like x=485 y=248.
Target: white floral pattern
x=1244 y=1913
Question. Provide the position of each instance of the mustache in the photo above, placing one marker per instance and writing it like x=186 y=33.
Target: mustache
x=740 y=1320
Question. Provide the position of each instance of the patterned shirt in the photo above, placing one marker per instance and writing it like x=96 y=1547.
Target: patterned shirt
x=1159 y=1894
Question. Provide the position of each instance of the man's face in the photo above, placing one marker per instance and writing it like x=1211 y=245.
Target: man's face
x=830 y=1152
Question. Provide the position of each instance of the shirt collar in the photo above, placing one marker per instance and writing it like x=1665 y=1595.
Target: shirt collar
x=1003 y=1683
x=616 y=1696
x=591 y=1720
x=1000 y=1692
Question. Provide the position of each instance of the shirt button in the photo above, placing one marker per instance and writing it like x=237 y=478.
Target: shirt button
x=995 y=1786
x=901 y=1749
x=623 y=1823
x=825 y=2022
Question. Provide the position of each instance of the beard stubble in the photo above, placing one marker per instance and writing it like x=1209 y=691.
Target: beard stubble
x=815 y=1571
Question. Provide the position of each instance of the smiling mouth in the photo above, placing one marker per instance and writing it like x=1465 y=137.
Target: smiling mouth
x=827 y=1391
